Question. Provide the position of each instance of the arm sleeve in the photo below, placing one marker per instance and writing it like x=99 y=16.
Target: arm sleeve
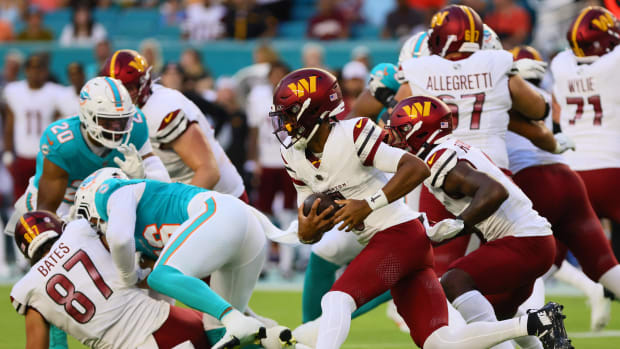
x=172 y=126
x=386 y=158
x=367 y=137
x=122 y=207
x=155 y=169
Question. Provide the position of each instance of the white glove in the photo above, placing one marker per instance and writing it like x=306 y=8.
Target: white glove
x=563 y=143
x=378 y=90
x=529 y=68
x=240 y=330
x=445 y=229
x=7 y=158
x=132 y=166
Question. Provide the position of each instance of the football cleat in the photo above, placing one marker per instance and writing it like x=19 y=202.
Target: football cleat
x=235 y=343
x=279 y=337
x=547 y=323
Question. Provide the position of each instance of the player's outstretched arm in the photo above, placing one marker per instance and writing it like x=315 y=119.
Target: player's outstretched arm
x=37 y=330
x=119 y=234
x=487 y=194
x=535 y=131
x=366 y=105
x=526 y=100
x=52 y=186
x=194 y=149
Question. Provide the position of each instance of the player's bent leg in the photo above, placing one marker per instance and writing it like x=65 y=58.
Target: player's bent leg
x=335 y=249
x=384 y=297
x=182 y=325
x=336 y=319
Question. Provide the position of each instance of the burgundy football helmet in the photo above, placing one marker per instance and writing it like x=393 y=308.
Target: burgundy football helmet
x=34 y=229
x=524 y=51
x=417 y=122
x=133 y=70
x=594 y=32
x=455 y=28
x=301 y=102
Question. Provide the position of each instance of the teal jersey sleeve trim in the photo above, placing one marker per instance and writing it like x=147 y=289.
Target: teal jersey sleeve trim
x=140 y=131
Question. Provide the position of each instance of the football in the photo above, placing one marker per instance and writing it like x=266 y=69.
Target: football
x=326 y=202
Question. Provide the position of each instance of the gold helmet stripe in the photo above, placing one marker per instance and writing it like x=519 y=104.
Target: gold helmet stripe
x=472 y=24
x=576 y=49
x=113 y=63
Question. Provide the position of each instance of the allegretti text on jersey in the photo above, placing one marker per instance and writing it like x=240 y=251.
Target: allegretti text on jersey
x=461 y=82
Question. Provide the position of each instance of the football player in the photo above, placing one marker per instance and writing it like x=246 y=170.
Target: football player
x=587 y=106
x=192 y=233
x=544 y=177
x=348 y=160
x=486 y=202
x=73 y=284
x=107 y=132
x=180 y=133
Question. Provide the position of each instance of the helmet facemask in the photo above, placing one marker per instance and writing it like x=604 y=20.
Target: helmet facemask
x=286 y=124
x=111 y=130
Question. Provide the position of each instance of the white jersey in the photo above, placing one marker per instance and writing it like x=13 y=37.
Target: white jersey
x=33 y=111
x=515 y=217
x=346 y=171
x=258 y=106
x=168 y=114
x=478 y=87
x=590 y=108
x=77 y=288
x=522 y=153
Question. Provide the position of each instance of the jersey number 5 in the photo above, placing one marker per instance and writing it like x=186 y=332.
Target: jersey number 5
x=596 y=104
x=63 y=292
x=474 y=124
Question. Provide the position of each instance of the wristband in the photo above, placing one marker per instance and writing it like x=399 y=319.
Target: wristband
x=377 y=200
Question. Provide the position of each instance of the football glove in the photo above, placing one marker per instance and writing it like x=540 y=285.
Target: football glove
x=381 y=92
x=529 y=69
x=132 y=165
x=563 y=143
x=445 y=229
x=240 y=330
x=7 y=158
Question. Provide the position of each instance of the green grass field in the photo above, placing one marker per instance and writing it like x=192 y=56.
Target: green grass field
x=373 y=330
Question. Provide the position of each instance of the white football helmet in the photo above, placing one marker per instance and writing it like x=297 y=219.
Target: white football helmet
x=415 y=46
x=490 y=40
x=106 y=111
x=85 y=195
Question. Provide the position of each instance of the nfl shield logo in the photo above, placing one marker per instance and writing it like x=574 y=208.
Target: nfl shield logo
x=333 y=97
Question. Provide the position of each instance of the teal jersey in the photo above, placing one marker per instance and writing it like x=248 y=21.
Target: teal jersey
x=386 y=73
x=62 y=143
x=161 y=209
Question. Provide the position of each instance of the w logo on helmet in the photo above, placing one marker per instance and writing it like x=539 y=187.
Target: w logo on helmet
x=302 y=86
x=418 y=109
x=138 y=64
x=438 y=19
x=603 y=22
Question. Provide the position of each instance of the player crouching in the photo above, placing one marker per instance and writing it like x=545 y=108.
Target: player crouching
x=519 y=246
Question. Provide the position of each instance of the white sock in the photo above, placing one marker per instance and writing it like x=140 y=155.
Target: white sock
x=536 y=299
x=529 y=342
x=474 y=307
x=455 y=319
x=307 y=333
x=477 y=335
x=336 y=319
x=611 y=280
x=576 y=278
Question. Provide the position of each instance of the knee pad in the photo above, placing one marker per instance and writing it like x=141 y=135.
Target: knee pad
x=338 y=297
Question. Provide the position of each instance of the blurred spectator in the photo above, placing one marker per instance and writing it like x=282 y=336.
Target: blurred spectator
x=203 y=20
x=329 y=23
x=12 y=64
x=9 y=11
x=6 y=31
x=351 y=10
x=312 y=56
x=102 y=51
x=83 y=31
x=245 y=20
x=361 y=54
x=172 y=76
x=150 y=49
x=47 y=5
x=511 y=22
x=354 y=75
x=269 y=175
x=197 y=77
x=70 y=105
x=172 y=13
x=375 y=12
x=34 y=30
x=479 y=6
x=31 y=105
x=280 y=9
x=256 y=73
x=236 y=129
x=402 y=21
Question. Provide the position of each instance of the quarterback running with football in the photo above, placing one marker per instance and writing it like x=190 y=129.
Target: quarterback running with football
x=180 y=133
x=348 y=160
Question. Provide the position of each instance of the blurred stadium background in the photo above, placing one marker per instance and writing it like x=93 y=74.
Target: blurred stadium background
x=219 y=50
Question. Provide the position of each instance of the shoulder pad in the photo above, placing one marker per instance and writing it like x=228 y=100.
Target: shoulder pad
x=440 y=163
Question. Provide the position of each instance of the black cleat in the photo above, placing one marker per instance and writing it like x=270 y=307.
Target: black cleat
x=547 y=323
x=235 y=343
